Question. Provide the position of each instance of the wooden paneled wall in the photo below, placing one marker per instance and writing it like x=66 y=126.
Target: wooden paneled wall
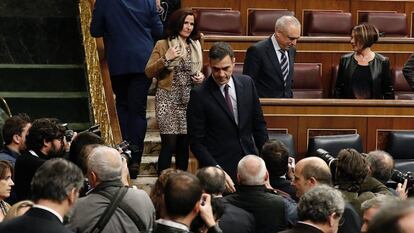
x=299 y=6
x=372 y=119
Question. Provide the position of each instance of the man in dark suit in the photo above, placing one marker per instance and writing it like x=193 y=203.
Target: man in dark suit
x=319 y=210
x=55 y=189
x=270 y=62
x=313 y=171
x=128 y=29
x=46 y=140
x=224 y=116
x=233 y=219
x=268 y=208
x=184 y=200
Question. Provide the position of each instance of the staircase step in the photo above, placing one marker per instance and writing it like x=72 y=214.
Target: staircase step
x=145 y=182
x=66 y=109
x=38 y=8
x=45 y=40
x=42 y=78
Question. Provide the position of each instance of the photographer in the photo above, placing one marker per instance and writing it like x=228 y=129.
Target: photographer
x=46 y=140
x=381 y=166
x=351 y=178
x=184 y=201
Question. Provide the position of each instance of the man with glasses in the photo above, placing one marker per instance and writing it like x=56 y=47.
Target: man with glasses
x=46 y=140
x=270 y=62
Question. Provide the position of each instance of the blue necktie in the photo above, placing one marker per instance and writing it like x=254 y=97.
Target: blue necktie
x=284 y=65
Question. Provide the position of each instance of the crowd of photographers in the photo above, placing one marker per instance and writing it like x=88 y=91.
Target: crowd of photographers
x=349 y=192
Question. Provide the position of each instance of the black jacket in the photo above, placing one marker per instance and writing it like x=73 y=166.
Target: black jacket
x=24 y=170
x=381 y=77
x=267 y=208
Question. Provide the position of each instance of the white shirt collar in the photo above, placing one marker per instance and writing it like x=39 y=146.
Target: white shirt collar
x=50 y=210
x=274 y=42
x=173 y=224
x=230 y=83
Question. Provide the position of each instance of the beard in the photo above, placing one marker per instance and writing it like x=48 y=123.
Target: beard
x=56 y=151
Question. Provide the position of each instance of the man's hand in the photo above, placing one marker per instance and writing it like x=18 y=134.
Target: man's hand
x=206 y=211
x=402 y=190
x=229 y=183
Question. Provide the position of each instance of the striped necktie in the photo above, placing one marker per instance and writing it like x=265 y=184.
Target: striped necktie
x=284 y=66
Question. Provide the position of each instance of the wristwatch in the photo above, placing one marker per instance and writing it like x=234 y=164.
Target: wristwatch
x=166 y=62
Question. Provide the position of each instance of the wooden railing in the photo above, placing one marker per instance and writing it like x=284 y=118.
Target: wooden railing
x=100 y=90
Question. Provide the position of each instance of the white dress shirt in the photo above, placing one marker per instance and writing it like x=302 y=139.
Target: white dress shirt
x=233 y=97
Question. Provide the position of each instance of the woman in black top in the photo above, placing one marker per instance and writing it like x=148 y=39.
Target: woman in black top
x=364 y=74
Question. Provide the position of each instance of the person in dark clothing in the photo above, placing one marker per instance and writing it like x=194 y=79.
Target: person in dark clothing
x=46 y=140
x=128 y=29
x=276 y=156
x=268 y=209
x=364 y=74
x=234 y=219
x=313 y=171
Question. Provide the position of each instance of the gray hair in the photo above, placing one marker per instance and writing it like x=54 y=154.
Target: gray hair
x=106 y=163
x=380 y=168
x=319 y=203
x=251 y=170
x=55 y=179
x=283 y=22
x=386 y=219
x=377 y=202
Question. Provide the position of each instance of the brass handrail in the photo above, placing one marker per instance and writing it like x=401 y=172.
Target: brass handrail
x=98 y=96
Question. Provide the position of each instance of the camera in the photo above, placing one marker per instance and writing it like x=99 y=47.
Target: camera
x=399 y=177
x=328 y=158
x=70 y=133
x=125 y=150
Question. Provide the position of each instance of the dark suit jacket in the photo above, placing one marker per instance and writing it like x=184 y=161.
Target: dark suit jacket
x=408 y=71
x=128 y=29
x=214 y=136
x=268 y=209
x=25 y=168
x=34 y=221
x=302 y=228
x=161 y=228
x=351 y=220
x=380 y=73
x=261 y=63
x=235 y=219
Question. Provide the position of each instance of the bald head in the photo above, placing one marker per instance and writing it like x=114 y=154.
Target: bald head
x=251 y=170
x=310 y=172
x=317 y=168
x=212 y=180
x=106 y=163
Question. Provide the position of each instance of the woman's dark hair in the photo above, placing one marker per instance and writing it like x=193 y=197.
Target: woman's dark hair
x=176 y=23
x=365 y=34
x=5 y=166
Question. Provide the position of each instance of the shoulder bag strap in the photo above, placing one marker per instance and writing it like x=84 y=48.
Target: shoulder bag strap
x=109 y=211
x=128 y=211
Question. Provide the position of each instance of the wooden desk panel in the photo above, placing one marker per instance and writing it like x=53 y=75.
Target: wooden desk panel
x=372 y=119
